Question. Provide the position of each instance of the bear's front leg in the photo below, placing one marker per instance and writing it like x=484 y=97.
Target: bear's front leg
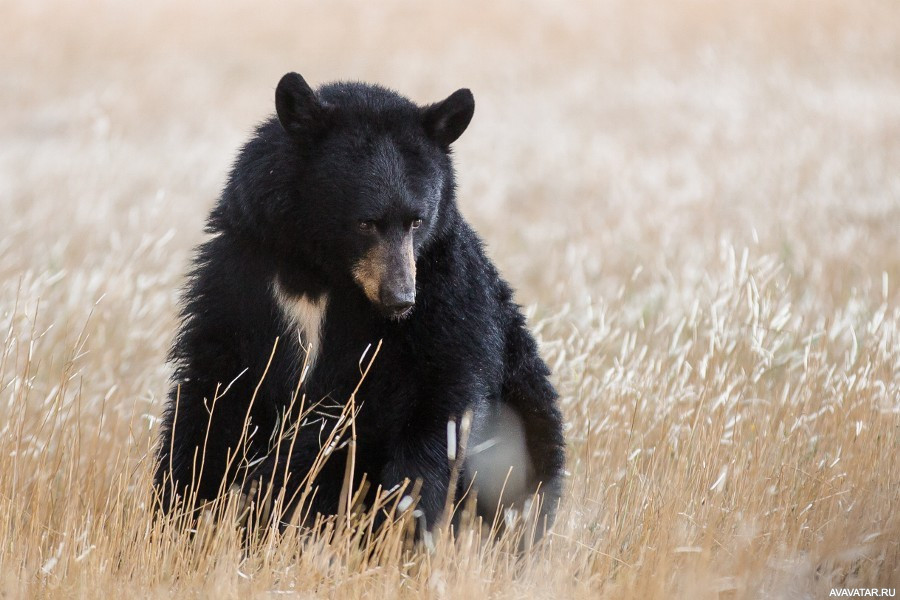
x=294 y=483
x=201 y=447
x=422 y=458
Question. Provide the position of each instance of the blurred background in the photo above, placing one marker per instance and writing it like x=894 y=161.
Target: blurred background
x=625 y=160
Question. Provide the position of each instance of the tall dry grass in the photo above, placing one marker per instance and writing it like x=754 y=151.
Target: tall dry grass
x=699 y=202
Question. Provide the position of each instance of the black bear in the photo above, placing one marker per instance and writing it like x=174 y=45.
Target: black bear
x=337 y=230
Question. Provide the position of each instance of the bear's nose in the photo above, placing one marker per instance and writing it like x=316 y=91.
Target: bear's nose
x=397 y=301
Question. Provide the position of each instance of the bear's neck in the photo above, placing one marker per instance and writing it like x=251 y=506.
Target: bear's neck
x=302 y=281
x=305 y=316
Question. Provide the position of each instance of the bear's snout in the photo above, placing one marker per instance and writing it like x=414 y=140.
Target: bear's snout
x=387 y=276
x=397 y=291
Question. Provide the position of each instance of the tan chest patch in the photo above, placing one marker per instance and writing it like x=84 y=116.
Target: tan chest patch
x=307 y=319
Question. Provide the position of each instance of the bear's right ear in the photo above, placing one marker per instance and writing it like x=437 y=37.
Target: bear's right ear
x=298 y=108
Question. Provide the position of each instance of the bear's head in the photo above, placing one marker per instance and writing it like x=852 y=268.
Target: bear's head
x=356 y=182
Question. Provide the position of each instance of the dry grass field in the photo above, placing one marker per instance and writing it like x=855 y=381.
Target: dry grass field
x=698 y=202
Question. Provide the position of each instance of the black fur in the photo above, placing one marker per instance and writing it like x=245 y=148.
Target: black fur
x=347 y=154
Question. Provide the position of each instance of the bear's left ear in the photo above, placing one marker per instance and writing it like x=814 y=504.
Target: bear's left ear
x=445 y=121
x=299 y=111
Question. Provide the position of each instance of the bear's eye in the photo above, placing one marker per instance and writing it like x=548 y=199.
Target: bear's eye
x=416 y=223
x=367 y=226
